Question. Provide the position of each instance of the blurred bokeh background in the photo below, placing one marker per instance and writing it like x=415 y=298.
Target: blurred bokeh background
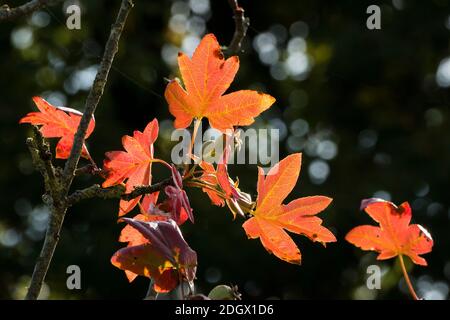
x=368 y=109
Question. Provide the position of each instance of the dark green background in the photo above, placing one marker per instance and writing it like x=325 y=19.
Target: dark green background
x=372 y=93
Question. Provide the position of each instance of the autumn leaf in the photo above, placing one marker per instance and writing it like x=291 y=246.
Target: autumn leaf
x=394 y=236
x=271 y=218
x=209 y=176
x=132 y=236
x=165 y=256
x=177 y=202
x=206 y=77
x=58 y=122
x=221 y=189
x=219 y=178
x=134 y=164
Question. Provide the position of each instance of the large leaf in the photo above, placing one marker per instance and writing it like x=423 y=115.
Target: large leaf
x=58 y=122
x=134 y=164
x=271 y=218
x=165 y=257
x=394 y=236
x=206 y=77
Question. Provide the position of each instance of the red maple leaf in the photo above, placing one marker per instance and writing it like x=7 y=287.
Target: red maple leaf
x=134 y=164
x=58 y=122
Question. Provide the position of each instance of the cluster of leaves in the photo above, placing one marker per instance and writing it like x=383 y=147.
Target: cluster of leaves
x=155 y=244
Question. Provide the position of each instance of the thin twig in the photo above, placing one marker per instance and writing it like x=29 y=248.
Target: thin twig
x=58 y=206
x=115 y=192
x=89 y=169
x=42 y=160
x=241 y=25
x=46 y=156
x=7 y=13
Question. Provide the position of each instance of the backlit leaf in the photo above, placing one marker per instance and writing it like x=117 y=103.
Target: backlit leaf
x=165 y=256
x=271 y=219
x=395 y=235
x=206 y=77
x=58 y=122
x=134 y=164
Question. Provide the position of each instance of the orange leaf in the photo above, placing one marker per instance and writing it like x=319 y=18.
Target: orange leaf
x=206 y=77
x=133 y=165
x=209 y=176
x=220 y=178
x=395 y=236
x=58 y=122
x=271 y=218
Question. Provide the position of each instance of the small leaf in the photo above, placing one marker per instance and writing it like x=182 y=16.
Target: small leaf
x=177 y=202
x=394 y=236
x=58 y=122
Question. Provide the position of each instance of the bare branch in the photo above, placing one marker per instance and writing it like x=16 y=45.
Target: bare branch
x=46 y=156
x=96 y=92
x=43 y=262
x=89 y=169
x=140 y=190
x=241 y=25
x=7 y=13
x=58 y=205
x=42 y=160
x=116 y=192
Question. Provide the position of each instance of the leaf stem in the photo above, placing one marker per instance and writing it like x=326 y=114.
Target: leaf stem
x=408 y=281
x=91 y=160
x=151 y=293
x=197 y=124
x=162 y=162
x=205 y=185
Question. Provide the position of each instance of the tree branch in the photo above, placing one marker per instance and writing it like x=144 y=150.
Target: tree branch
x=58 y=204
x=241 y=25
x=43 y=262
x=96 y=92
x=7 y=13
x=115 y=192
x=42 y=160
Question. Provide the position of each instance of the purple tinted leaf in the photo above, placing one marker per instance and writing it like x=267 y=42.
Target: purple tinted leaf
x=165 y=237
x=177 y=196
x=177 y=179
